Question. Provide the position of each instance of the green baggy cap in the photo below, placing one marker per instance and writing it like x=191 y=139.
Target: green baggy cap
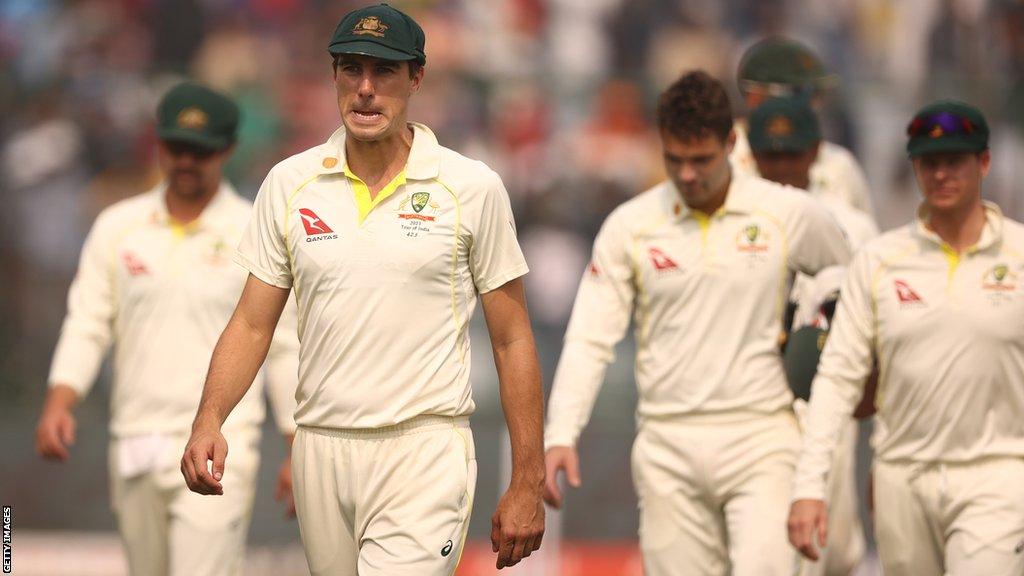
x=194 y=114
x=783 y=125
x=947 y=126
x=786 y=63
x=379 y=31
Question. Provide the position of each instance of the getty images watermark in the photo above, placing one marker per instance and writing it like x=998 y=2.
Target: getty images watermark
x=7 y=539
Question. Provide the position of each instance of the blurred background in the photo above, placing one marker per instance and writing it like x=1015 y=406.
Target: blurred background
x=556 y=95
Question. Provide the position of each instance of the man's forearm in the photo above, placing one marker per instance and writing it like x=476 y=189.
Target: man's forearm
x=236 y=361
x=523 y=404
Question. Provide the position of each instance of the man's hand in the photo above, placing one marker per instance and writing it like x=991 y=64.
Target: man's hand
x=283 y=491
x=565 y=459
x=204 y=445
x=807 y=519
x=517 y=526
x=55 y=432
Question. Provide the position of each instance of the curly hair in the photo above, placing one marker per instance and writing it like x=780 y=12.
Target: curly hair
x=695 y=106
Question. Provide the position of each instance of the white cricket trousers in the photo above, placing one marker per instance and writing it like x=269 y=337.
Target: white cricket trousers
x=846 y=544
x=955 y=519
x=391 y=501
x=714 y=494
x=169 y=530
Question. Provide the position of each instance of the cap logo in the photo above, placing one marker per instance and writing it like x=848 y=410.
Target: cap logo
x=370 y=25
x=192 y=118
x=779 y=126
x=936 y=132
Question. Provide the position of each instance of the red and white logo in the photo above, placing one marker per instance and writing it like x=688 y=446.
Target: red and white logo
x=906 y=294
x=660 y=260
x=313 y=224
x=135 y=266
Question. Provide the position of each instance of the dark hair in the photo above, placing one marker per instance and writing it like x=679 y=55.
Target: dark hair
x=414 y=66
x=695 y=106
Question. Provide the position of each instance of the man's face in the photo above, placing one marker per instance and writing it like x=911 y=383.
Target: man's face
x=373 y=95
x=792 y=168
x=951 y=180
x=699 y=167
x=191 y=171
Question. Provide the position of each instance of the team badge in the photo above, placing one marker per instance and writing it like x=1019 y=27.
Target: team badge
x=999 y=279
x=419 y=201
x=370 y=25
x=779 y=127
x=192 y=118
x=217 y=254
x=752 y=239
x=417 y=212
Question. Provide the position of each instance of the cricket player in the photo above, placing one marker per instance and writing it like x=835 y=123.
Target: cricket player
x=388 y=240
x=156 y=283
x=702 y=263
x=940 y=304
x=785 y=139
x=781 y=67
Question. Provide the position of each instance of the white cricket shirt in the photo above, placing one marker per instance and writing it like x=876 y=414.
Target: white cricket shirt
x=385 y=287
x=707 y=295
x=161 y=293
x=948 y=333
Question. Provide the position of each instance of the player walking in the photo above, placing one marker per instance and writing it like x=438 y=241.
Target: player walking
x=939 y=304
x=702 y=262
x=388 y=240
x=156 y=283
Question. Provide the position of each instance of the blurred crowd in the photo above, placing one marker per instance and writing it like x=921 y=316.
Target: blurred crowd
x=556 y=95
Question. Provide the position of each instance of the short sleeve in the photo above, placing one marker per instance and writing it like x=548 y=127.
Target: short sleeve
x=495 y=257
x=263 y=250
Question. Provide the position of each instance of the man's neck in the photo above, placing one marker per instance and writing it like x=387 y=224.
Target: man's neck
x=378 y=162
x=961 y=228
x=716 y=201
x=185 y=209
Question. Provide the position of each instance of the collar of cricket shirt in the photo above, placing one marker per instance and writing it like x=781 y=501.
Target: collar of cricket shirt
x=423 y=163
x=738 y=200
x=990 y=234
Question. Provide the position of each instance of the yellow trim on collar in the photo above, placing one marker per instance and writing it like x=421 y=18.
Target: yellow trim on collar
x=180 y=229
x=362 y=192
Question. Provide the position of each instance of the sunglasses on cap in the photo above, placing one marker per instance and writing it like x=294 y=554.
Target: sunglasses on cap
x=940 y=124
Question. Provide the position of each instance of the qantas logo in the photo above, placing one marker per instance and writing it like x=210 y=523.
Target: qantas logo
x=316 y=229
x=661 y=262
x=906 y=294
x=135 y=266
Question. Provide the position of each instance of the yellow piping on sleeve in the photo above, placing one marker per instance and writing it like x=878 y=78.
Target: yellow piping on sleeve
x=876 y=345
x=642 y=296
x=453 y=275
x=287 y=243
x=780 y=304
